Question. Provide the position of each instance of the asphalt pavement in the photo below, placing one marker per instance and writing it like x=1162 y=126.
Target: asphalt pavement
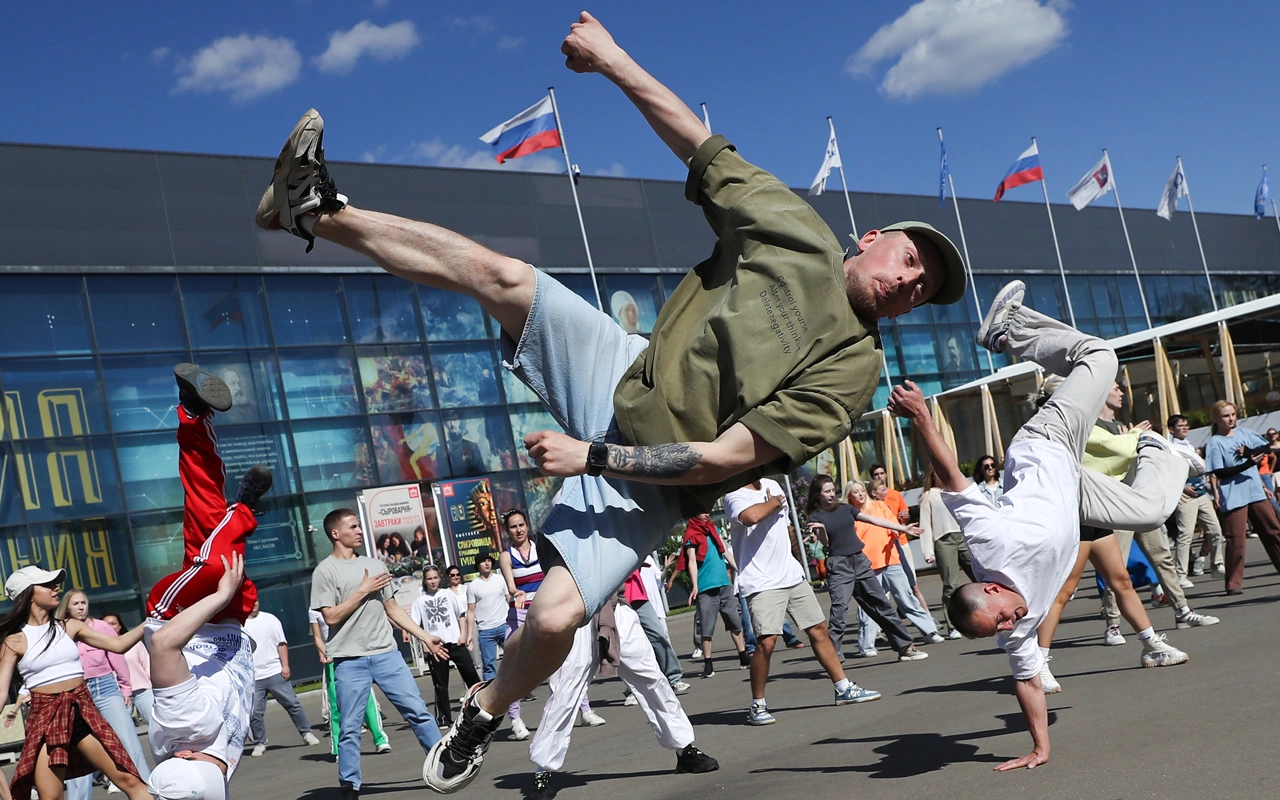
x=1206 y=728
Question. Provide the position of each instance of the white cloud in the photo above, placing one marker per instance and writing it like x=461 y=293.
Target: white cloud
x=384 y=43
x=510 y=42
x=435 y=152
x=615 y=170
x=242 y=66
x=381 y=3
x=951 y=46
x=159 y=55
x=375 y=155
x=478 y=24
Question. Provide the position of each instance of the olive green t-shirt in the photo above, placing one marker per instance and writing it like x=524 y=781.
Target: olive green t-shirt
x=760 y=333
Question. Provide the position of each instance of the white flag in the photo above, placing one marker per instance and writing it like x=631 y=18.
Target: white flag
x=1173 y=190
x=830 y=161
x=1096 y=182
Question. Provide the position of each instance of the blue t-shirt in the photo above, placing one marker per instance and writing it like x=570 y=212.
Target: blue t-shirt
x=711 y=572
x=1243 y=488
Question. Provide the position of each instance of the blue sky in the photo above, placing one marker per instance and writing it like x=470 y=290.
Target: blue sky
x=407 y=82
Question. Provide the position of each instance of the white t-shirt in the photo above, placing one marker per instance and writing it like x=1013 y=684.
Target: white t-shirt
x=318 y=618
x=210 y=712
x=438 y=614
x=763 y=550
x=268 y=635
x=1028 y=540
x=490 y=598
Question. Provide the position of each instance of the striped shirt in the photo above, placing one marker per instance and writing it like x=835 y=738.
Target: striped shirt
x=526 y=574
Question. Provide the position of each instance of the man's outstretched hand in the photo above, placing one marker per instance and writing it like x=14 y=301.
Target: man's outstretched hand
x=907 y=401
x=589 y=47
x=1030 y=761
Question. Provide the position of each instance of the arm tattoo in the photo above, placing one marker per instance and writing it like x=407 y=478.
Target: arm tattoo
x=656 y=461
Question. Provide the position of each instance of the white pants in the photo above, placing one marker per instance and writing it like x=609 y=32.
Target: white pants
x=637 y=667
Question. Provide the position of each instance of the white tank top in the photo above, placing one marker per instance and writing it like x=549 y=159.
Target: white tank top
x=60 y=661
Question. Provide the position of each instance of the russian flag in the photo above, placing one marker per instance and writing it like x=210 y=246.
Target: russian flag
x=1025 y=170
x=528 y=132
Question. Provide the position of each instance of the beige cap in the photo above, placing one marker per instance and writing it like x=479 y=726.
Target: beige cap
x=25 y=578
x=953 y=284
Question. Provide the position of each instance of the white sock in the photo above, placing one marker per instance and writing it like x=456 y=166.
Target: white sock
x=759 y=703
x=1147 y=633
x=308 y=223
x=1185 y=610
x=1044 y=651
x=842 y=684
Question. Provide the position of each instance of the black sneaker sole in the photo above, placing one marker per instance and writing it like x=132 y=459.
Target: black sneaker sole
x=211 y=391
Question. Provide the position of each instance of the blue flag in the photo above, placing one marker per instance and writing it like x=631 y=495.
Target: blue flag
x=1261 y=197
x=942 y=178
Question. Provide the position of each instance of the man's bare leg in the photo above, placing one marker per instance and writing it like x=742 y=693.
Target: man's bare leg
x=437 y=257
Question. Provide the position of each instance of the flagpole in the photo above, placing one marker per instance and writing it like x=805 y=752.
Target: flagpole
x=1066 y=292
x=706 y=118
x=1115 y=187
x=964 y=243
x=573 y=186
x=847 y=203
x=1196 y=226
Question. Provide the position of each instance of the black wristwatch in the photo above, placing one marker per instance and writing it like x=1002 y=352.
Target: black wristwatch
x=597 y=458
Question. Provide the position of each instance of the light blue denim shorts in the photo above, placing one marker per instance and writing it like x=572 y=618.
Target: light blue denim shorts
x=572 y=356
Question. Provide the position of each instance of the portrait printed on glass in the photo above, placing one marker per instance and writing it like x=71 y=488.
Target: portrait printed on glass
x=466 y=375
x=407 y=447
x=632 y=301
x=395 y=382
x=478 y=442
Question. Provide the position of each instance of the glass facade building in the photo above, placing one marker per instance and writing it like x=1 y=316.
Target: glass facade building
x=116 y=265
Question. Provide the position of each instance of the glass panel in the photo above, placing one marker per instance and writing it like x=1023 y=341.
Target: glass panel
x=51 y=397
x=478 y=441
x=255 y=387
x=225 y=311
x=44 y=314
x=317 y=507
x=305 y=310
x=450 y=316
x=95 y=552
x=957 y=349
x=149 y=471
x=157 y=545
x=515 y=389
x=1131 y=300
x=669 y=283
x=466 y=374
x=242 y=446
x=581 y=286
x=528 y=419
x=395 y=379
x=72 y=477
x=1044 y=295
x=407 y=447
x=135 y=312
x=319 y=383
x=333 y=454
x=381 y=308
x=278 y=543
x=917 y=351
x=508 y=493
x=538 y=491
x=633 y=301
x=141 y=393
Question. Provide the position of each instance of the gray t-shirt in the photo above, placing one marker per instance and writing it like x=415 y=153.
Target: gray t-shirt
x=367 y=632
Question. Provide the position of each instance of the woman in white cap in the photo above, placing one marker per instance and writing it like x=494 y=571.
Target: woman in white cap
x=66 y=734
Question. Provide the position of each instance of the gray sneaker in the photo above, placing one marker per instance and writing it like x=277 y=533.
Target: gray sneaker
x=1194 y=619
x=995 y=325
x=1156 y=652
x=300 y=184
x=759 y=715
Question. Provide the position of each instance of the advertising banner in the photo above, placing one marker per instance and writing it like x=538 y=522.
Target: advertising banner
x=395 y=523
x=470 y=520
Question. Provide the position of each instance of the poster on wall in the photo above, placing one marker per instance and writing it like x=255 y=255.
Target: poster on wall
x=470 y=520
x=400 y=531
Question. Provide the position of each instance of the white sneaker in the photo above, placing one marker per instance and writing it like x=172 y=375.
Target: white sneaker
x=679 y=687
x=1156 y=652
x=1194 y=619
x=995 y=325
x=1197 y=566
x=1113 y=637
x=1158 y=596
x=385 y=747
x=630 y=699
x=310 y=738
x=933 y=638
x=519 y=731
x=870 y=652
x=1186 y=583
x=1047 y=681
x=697 y=654
x=955 y=634
x=591 y=719
x=258 y=750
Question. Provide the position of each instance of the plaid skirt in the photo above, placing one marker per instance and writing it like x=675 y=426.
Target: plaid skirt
x=52 y=723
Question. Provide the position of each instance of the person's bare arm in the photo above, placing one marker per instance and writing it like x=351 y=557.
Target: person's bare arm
x=590 y=48
x=283 y=649
x=336 y=615
x=504 y=564
x=400 y=618
x=321 y=650
x=907 y=401
x=680 y=463
x=913 y=530
x=1031 y=697
x=692 y=562
x=81 y=632
x=168 y=665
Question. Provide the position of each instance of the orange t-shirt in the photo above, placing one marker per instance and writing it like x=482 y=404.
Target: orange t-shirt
x=878 y=542
x=894 y=500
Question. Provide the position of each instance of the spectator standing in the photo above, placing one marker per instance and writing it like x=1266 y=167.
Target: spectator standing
x=271 y=675
x=139 y=661
x=1232 y=456
x=987 y=478
x=487 y=597
x=943 y=544
x=1195 y=506
x=709 y=564
x=443 y=614
x=329 y=693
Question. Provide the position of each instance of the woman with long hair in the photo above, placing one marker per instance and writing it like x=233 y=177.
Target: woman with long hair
x=441 y=613
x=421 y=545
x=67 y=736
x=139 y=661
x=396 y=548
x=942 y=543
x=107 y=676
x=849 y=573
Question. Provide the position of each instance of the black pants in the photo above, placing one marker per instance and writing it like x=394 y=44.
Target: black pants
x=852 y=577
x=461 y=657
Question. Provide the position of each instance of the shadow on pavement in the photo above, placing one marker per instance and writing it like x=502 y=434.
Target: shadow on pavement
x=523 y=781
x=1000 y=684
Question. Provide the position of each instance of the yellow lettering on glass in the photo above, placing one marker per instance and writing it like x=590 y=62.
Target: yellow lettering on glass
x=60 y=553
x=98 y=565
x=13 y=427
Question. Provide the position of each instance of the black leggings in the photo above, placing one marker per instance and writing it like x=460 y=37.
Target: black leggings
x=461 y=657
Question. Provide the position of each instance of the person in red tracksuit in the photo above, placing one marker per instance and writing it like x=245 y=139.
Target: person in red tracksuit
x=210 y=528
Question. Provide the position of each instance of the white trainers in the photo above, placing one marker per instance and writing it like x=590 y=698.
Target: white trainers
x=679 y=687
x=591 y=719
x=1113 y=637
x=1197 y=566
x=1186 y=583
x=870 y=652
x=385 y=747
x=955 y=634
x=933 y=638
x=258 y=750
x=995 y=325
x=309 y=738
x=519 y=731
x=697 y=654
x=1156 y=652
x=630 y=699
x=1047 y=681
x=1194 y=619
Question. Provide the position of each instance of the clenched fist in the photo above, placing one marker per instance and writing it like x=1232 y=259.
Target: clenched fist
x=908 y=401
x=589 y=47
x=557 y=454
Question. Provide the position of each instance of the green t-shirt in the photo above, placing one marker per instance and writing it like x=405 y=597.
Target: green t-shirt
x=367 y=632
x=760 y=333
